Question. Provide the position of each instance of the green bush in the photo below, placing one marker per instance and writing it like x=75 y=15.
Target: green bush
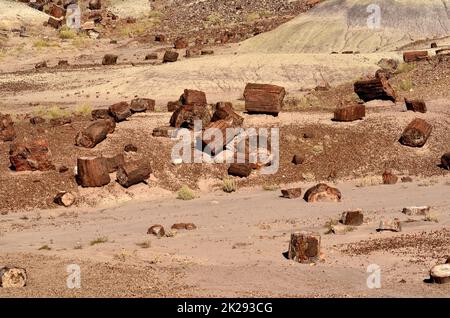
x=185 y=193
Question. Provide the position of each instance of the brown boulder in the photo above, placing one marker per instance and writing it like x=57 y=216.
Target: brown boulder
x=32 y=156
x=322 y=193
x=142 y=105
x=120 y=111
x=109 y=59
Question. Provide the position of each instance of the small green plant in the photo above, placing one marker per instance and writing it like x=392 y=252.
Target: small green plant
x=406 y=85
x=214 y=18
x=229 y=185
x=56 y=112
x=251 y=17
x=83 y=110
x=405 y=68
x=81 y=41
x=45 y=248
x=67 y=33
x=270 y=187
x=99 y=240
x=431 y=217
x=185 y=193
x=41 y=43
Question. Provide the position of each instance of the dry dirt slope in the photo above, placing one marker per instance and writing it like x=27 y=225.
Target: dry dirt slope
x=341 y=25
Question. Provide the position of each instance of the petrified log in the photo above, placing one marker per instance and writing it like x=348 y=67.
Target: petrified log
x=165 y=131
x=157 y=230
x=322 y=193
x=92 y=172
x=440 y=274
x=240 y=169
x=37 y=120
x=55 y=22
x=120 y=111
x=32 y=156
x=350 y=112
x=193 y=97
x=414 y=56
x=180 y=43
x=389 y=177
x=184 y=226
x=7 y=131
x=416 y=105
x=170 y=56
x=445 y=161
x=393 y=225
x=298 y=159
x=132 y=173
x=263 y=98
x=292 y=193
x=101 y=114
x=353 y=218
x=416 y=210
x=377 y=88
x=114 y=162
x=192 y=52
x=416 y=133
x=218 y=134
x=186 y=115
x=94 y=133
x=109 y=59
x=225 y=110
x=57 y=11
x=138 y=105
x=172 y=106
x=64 y=198
x=13 y=277
x=304 y=247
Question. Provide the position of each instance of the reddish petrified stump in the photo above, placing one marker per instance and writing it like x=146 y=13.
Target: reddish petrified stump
x=120 y=111
x=92 y=172
x=414 y=56
x=242 y=170
x=322 y=193
x=353 y=218
x=350 y=112
x=263 y=98
x=416 y=105
x=416 y=133
x=304 y=247
x=32 y=156
x=377 y=88
x=132 y=173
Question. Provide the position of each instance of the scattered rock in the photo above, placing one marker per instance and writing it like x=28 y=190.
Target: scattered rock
x=292 y=193
x=434 y=45
x=157 y=230
x=92 y=172
x=184 y=226
x=63 y=169
x=242 y=170
x=95 y=133
x=113 y=162
x=7 y=130
x=130 y=148
x=13 y=277
x=322 y=193
x=101 y=114
x=304 y=247
x=55 y=22
x=180 y=43
x=407 y=179
x=298 y=159
x=350 y=112
x=389 y=177
x=440 y=274
x=120 y=111
x=445 y=161
x=160 y=38
x=40 y=65
x=416 y=210
x=95 y=4
x=416 y=133
x=224 y=110
x=37 y=120
x=165 y=131
x=416 y=105
x=339 y=229
x=354 y=218
x=31 y=156
x=170 y=56
x=138 y=105
x=64 y=198
x=60 y=121
x=414 y=56
x=109 y=59
x=393 y=225
x=377 y=88
x=151 y=56
x=207 y=52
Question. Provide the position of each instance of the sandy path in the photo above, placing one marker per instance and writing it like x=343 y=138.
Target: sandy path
x=237 y=248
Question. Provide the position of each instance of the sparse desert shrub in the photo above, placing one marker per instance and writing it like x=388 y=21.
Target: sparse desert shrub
x=99 y=240
x=83 y=110
x=369 y=181
x=81 y=41
x=56 y=112
x=67 y=33
x=185 y=193
x=252 y=17
x=45 y=248
x=229 y=185
x=431 y=216
x=270 y=187
x=406 y=85
x=214 y=18
x=404 y=68
x=41 y=43
x=145 y=244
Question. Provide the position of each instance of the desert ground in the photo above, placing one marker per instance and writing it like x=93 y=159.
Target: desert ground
x=316 y=50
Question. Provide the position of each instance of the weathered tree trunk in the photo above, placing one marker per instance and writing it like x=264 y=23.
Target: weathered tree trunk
x=445 y=161
x=350 y=113
x=293 y=193
x=263 y=98
x=304 y=247
x=214 y=144
x=224 y=110
x=114 y=162
x=92 y=172
x=416 y=105
x=94 y=133
x=13 y=277
x=242 y=170
x=322 y=193
x=64 y=198
x=416 y=133
x=120 y=111
x=440 y=274
x=414 y=56
x=142 y=105
x=377 y=88
x=132 y=173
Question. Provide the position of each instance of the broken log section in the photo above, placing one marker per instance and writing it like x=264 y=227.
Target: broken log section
x=350 y=112
x=92 y=172
x=132 y=173
x=377 y=88
x=263 y=98
x=304 y=247
x=416 y=133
